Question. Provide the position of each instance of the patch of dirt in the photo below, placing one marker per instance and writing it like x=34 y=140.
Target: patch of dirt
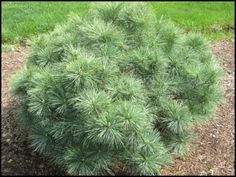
x=213 y=152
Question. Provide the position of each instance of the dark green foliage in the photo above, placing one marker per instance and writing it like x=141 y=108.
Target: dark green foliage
x=116 y=85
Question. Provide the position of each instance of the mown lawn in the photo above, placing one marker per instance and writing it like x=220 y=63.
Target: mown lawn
x=21 y=20
x=24 y=19
x=213 y=19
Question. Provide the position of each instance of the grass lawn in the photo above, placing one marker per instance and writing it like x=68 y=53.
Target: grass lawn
x=21 y=20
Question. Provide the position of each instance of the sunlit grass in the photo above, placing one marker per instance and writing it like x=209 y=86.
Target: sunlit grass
x=21 y=20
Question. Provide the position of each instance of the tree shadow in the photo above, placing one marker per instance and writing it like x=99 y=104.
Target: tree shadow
x=17 y=158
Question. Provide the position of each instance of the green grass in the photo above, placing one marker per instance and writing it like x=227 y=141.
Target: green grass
x=21 y=20
x=210 y=18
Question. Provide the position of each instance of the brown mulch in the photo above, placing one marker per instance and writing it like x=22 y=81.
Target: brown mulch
x=213 y=152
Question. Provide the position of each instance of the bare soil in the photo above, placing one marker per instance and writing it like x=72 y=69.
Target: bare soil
x=213 y=152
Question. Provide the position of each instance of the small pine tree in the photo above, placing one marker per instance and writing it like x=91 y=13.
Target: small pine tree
x=116 y=85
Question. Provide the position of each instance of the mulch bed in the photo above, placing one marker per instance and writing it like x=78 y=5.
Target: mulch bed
x=212 y=154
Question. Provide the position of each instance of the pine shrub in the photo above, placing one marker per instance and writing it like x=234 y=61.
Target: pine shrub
x=117 y=85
